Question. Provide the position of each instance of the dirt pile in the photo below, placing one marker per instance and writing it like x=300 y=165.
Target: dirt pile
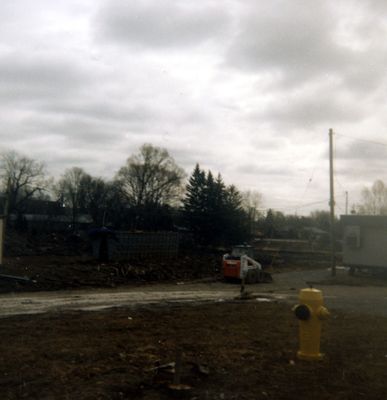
x=65 y=272
x=60 y=244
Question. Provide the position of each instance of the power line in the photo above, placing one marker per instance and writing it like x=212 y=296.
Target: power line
x=318 y=202
x=340 y=208
x=362 y=140
x=304 y=205
x=339 y=183
x=307 y=187
x=375 y=142
x=315 y=202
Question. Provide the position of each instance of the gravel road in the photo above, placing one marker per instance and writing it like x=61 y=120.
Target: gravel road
x=370 y=300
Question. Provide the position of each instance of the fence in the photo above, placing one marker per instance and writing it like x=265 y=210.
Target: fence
x=144 y=245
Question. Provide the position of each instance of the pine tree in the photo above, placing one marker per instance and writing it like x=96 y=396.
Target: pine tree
x=212 y=228
x=213 y=211
x=236 y=219
x=195 y=200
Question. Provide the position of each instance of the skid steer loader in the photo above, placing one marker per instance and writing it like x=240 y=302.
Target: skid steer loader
x=240 y=264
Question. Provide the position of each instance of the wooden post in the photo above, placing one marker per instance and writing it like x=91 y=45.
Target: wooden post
x=332 y=204
x=3 y=221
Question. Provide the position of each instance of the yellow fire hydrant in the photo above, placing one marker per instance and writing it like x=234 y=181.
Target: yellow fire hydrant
x=310 y=312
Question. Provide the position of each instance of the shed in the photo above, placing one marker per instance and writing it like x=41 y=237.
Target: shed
x=364 y=241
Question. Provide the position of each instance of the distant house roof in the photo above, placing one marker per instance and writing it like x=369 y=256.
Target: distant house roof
x=80 y=218
x=316 y=231
x=34 y=206
x=37 y=206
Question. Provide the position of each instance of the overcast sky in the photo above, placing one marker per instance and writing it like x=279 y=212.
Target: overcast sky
x=245 y=88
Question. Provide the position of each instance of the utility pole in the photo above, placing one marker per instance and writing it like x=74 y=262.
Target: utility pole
x=2 y=234
x=3 y=222
x=346 y=203
x=332 y=204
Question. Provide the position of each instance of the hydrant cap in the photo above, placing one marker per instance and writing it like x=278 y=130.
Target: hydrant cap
x=302 y=312
x=310 y=295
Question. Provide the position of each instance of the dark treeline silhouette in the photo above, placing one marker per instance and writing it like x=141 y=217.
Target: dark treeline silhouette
x=147 y=193
x=150 y=193
x=213 y=211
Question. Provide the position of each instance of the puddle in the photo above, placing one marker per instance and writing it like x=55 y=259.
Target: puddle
x=264 y=300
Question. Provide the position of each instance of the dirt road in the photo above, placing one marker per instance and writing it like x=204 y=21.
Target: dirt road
x=364 y=300
x=93 y=300
x=361 y=295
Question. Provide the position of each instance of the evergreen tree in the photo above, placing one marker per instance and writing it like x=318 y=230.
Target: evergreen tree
x=212 y=211
x=195 y=200
x=236 y=219
x=213 y=215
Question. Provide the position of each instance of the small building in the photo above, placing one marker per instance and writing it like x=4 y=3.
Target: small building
x=364 y=241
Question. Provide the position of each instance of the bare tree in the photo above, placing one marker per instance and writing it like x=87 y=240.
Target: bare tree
x=374 y=199
x=70 y=191
x=252 y=202
x=94 y=197
x=22 y=178
x=78 y=190
x=151 y=177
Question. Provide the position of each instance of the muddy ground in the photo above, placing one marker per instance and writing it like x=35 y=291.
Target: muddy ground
x=52 y=272
x=229 y=351
x=56 y=262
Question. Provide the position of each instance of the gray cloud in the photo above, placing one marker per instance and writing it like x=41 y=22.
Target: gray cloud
x=262 y=169
x=296 y=43
x=104 y=111
x=248 y=88
x=313 y=110
x=292 y=39
x=29 y=78
x=166 y=24
x=361 y=151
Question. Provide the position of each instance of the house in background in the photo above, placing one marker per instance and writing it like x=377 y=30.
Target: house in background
x=46 y=216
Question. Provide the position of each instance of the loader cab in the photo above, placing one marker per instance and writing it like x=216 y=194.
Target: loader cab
x=240 y=264
x=232 y=261
x=240 y=250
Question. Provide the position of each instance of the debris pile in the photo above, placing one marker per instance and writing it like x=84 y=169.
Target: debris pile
x=51 y=272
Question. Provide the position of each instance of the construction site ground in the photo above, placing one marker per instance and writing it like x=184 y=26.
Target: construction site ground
x=117 y=341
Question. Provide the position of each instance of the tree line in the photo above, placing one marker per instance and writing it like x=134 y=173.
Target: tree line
x=150 y=192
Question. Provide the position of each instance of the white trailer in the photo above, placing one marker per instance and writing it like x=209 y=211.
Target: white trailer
x=364 y=241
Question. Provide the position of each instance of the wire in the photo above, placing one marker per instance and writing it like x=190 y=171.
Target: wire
x=307 y=186
x=310 y=204
x=337 y=180
x=340 y=208
x=362 y=140
x=304 y=205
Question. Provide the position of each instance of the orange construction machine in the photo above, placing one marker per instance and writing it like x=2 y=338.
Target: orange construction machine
x=240 y=264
